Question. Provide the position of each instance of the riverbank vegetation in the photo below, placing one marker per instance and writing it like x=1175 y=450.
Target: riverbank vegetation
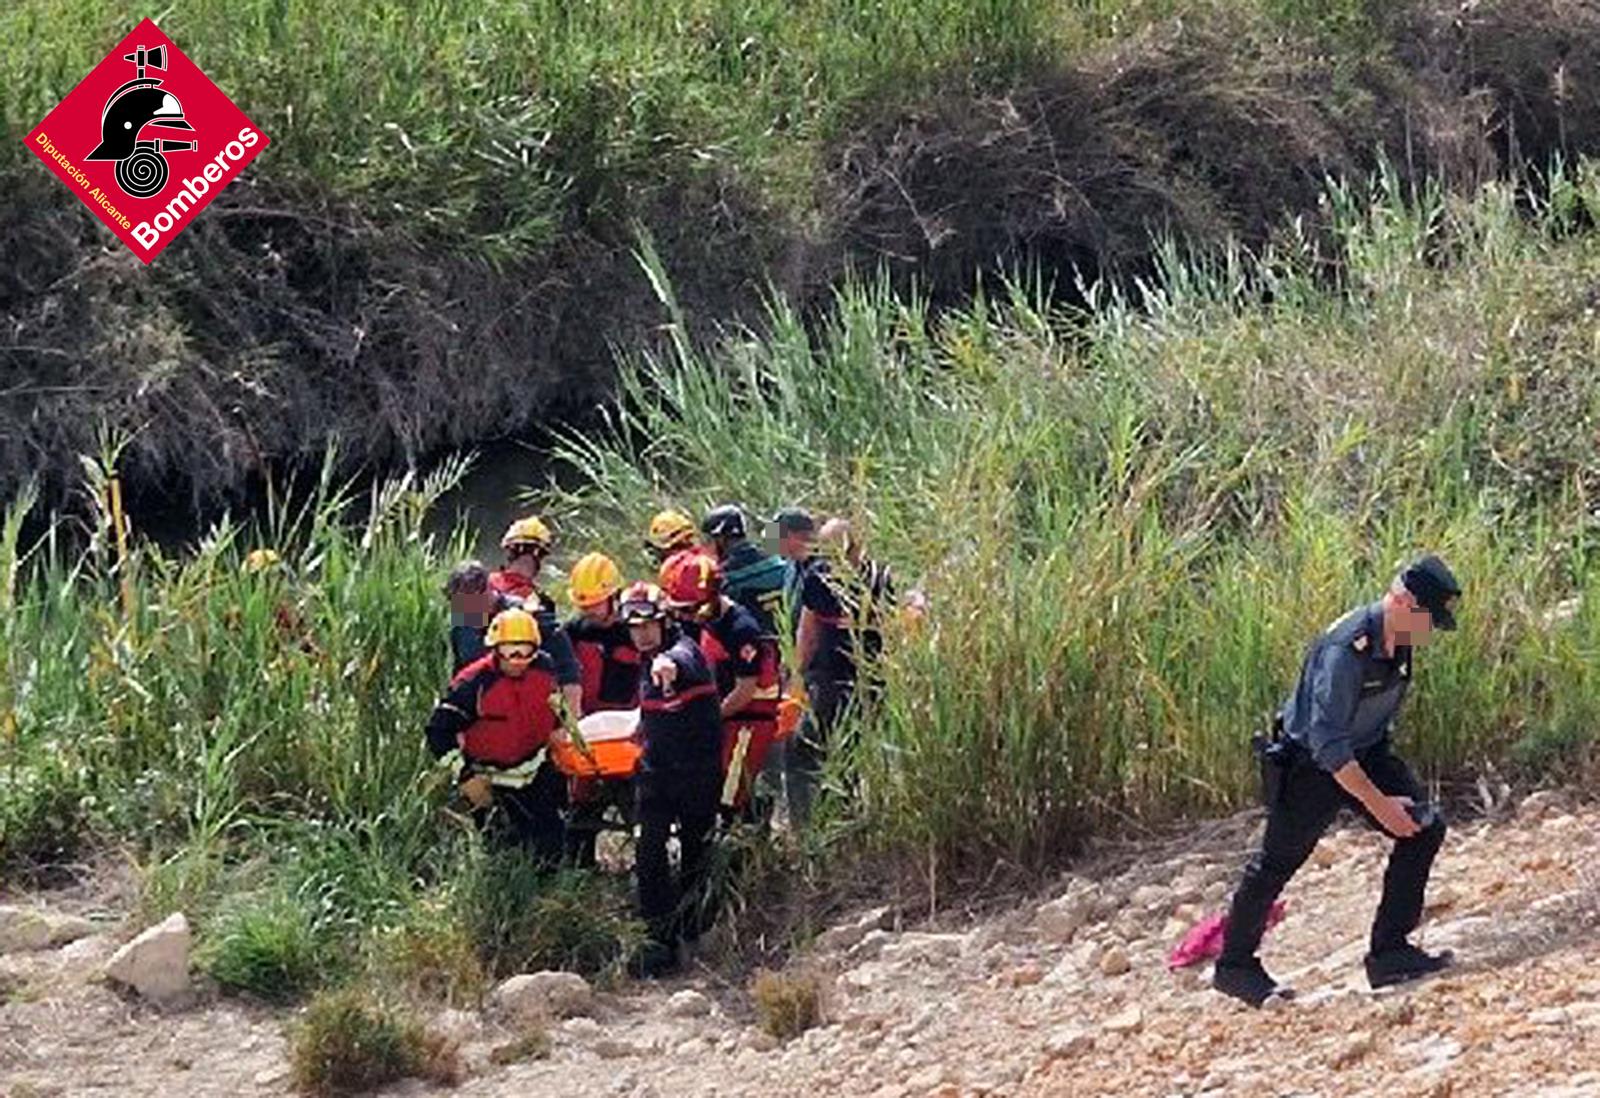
x=452 y=189
x=1128 y=516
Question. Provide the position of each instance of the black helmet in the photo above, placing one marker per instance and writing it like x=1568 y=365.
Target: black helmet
x=130 y=111
x=726 y=521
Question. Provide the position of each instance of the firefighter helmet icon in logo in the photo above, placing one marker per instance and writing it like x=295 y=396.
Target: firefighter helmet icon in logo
x=138 y=104
x=146 y=141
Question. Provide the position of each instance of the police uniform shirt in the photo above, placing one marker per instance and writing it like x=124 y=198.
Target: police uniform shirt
x=842 y=604
x=1349 y=691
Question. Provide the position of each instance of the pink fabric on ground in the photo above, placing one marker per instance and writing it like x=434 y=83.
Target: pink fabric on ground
x=1204 y=940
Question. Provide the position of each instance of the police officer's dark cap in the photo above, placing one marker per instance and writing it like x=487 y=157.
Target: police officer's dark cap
x=794 y=520
x=1435 y=588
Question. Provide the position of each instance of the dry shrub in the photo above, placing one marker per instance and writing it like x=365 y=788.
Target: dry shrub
x=433 y=960
x=351 y=1042
x=788 y=1003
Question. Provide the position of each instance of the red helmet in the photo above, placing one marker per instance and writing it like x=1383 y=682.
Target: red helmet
x=690 y=579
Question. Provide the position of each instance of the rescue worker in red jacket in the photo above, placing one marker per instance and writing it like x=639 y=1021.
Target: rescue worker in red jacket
x=527 y=542
x=498 y=714
x=679 y=777
x=608 y=664
x=745 y=660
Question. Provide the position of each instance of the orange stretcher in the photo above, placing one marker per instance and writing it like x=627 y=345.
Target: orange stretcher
x=607 y=747
x=608 y=750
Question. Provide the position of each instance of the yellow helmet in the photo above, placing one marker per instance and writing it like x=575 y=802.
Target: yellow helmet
x=595 y=578
x=512 y=627
x=669 y=531
x=259 y=560
x=527 y=531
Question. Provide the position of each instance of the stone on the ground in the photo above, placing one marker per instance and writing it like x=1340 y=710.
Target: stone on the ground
x=1128 y=1020
x=22 y=928
x=156 y=963
x=688 y=1003
x=1355 y=1048
x=1535 y=805
x=543 y=995
x=1067 y=1042
x=1149 y=896
x=923 y=947
x=1114 y=961
x=759 y=1040
x=1059 y=920
x=581 y=1029
x=849 y=934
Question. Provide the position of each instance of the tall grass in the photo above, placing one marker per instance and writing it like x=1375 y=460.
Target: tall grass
x=492 y=125
x=1131 y=518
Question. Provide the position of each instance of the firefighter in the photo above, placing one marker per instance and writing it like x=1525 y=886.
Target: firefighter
x=527 y=542
x=669 y=532
x=608 y=664
x=498 y=715
x=679 y=777
x=745 y=661
x=751 y=578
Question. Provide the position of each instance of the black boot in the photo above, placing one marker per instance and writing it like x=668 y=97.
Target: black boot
x=1404 y=962
x=1248 y=982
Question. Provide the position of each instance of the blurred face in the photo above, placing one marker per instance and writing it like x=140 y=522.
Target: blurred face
x=516 y=658
x=1413 y=625
x=646 y=635
x=526 y=559
x=797 y=545
x=600 y=613
x=472 y=604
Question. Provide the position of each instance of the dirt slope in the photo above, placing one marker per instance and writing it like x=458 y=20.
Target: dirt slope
x=1022 y=1004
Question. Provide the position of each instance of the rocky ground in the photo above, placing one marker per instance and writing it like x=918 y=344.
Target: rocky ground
x=1067 y=994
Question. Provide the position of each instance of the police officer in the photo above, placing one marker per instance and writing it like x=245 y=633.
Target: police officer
x=797 y=540
x=1335 y=752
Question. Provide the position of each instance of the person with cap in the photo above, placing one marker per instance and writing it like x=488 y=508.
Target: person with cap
x=669 y=532
x=527 y=542
x=841 y=607
x=609 y=667
x=495 y=721
x=472 y=604
x=797 y=538
x=679 y=777
x=751 y=578
x=1331 y=748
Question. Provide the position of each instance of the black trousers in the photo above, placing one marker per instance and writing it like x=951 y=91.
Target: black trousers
x=529 y=816
x=806 y=753
x=675 y=909
x=1307 y=804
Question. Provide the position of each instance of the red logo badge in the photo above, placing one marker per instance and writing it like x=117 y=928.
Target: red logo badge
x=146 y=141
